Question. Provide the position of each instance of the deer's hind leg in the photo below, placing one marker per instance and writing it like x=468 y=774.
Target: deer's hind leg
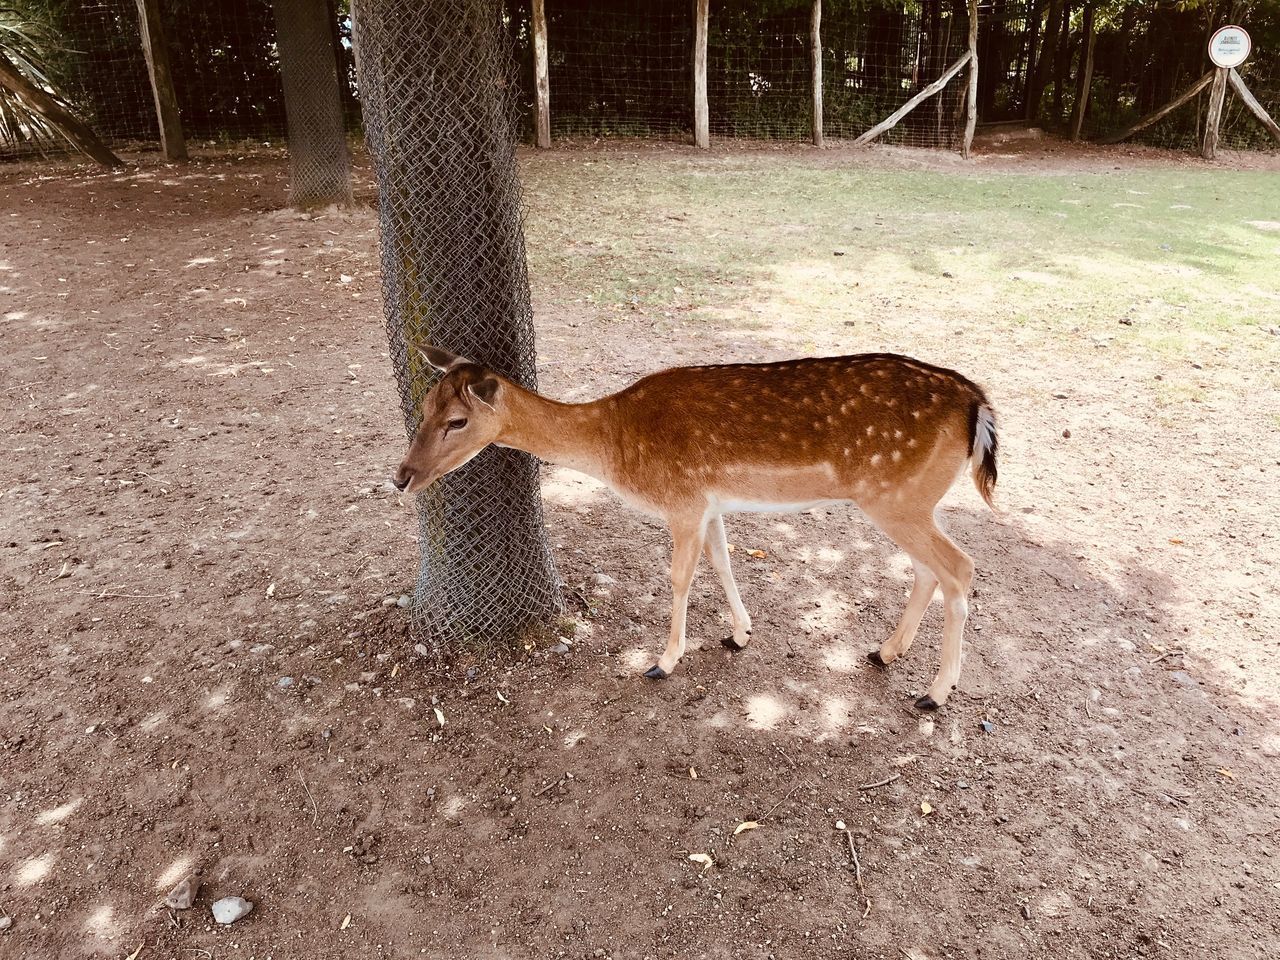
x=922 y=592
x=717 y=548
x=919 y=536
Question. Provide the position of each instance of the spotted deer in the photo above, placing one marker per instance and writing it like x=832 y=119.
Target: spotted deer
x=887 y=433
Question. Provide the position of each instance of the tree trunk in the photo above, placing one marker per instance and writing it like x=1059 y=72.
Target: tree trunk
x=156 y=51
x=1034 y=17
x=971 y=97
x=701 y=114
x=1044 y=62
x=319 y=162
x=1062 y=61
x=436 y=98
x=67 y=123
x=1084 y=79
x=815 y=54
x=542 y=85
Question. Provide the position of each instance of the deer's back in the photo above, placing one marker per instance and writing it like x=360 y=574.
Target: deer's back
x=817 y=428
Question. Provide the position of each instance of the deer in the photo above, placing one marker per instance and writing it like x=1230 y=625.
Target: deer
x=884 y=432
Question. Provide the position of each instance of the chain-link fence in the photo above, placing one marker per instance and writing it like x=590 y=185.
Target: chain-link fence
x=319 y=161
x=436 y=83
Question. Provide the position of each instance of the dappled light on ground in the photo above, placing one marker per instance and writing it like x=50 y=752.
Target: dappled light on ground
x=232 y=539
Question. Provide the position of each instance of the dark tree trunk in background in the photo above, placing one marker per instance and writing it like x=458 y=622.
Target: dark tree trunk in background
x=1044 y=60
x=1084 y=73
x=155 y=48
x=1034 y=16
x=440 y=124
x=1062 y=61
x=319 y=162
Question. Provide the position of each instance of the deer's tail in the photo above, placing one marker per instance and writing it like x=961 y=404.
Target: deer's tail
x=983 y=446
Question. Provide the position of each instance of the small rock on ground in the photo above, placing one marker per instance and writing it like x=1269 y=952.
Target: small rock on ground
x=184 y=894
x=230 y=909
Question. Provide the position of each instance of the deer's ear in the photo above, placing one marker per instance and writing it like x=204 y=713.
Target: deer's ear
x=440 y=359
x=485 y=390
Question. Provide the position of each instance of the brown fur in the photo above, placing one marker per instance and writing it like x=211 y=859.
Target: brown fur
x=888 y=433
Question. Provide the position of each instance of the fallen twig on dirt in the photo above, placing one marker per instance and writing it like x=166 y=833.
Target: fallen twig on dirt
x=881 y=783
x=549 y=787
x=857 y=864
x=105 y=595
x=783 y=800
x=315 y=811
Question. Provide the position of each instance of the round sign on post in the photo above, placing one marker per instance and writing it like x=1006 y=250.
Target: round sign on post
x=1229 y=46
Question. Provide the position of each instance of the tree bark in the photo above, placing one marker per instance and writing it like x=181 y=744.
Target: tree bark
x=156 y=51
x=1044 y=62
x=971 y=101
x=701 y=113
x=319 y=161
x=1084 y=80
x=540 y=70
x=815 y=54
x=1250 y=101
x=889 y=122
x=1214 y=117
x=1164 y=111
x=67 y=123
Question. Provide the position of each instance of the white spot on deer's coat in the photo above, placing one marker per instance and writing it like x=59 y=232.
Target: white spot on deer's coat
x=875 y=459
x=897 y=455
x=871 y=431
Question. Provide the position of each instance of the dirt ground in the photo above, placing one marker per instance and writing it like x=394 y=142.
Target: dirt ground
x=198 y=423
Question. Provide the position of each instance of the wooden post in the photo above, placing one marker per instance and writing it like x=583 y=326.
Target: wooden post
x=67 y=123
x=701 y=115
x=1164 y=111
x=815 y=54
x=971 y=108
x=889 y=122
x=1217 y=95
x=156 y=51
x=1250 y=101
x=1084 y=80
x=540 y=72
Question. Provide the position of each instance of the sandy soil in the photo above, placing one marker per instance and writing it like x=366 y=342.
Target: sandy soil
x=198 y=423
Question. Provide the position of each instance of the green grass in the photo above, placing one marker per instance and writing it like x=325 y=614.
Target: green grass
x=1189 y=257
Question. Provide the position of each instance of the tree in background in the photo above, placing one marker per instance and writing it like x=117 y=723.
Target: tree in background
x=319 y=161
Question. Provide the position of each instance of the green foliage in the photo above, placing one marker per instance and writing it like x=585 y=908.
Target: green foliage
x=26 y=41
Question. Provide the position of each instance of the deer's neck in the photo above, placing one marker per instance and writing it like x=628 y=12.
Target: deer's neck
x=574 y=435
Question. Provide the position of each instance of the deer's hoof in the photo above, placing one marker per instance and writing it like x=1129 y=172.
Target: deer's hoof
x=876 y=660
x=731 y=643
x=926 y=703
x=656 y=673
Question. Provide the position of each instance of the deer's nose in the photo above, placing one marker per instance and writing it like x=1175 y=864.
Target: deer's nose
x=402 y=477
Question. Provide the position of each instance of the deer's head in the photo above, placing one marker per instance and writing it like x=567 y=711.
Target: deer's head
x=460 y=417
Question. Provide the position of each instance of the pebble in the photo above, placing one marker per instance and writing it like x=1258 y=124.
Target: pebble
x=987 y=726
x=285 y=682
x=6 y=923
x=421 y=650
x=1066 y=434
x=262 y=648
x=839 y=824
x=230 y=909
x=403 y=601
x=604 y=580
x=388 y=601
x=184 y=894
x=559 y=648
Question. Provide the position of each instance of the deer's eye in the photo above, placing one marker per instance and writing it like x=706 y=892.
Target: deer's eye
x=455 y=424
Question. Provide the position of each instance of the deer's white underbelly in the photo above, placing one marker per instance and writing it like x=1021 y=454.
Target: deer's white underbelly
x=733 y=505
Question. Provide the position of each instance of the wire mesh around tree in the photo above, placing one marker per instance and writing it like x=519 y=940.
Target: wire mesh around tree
x=319 y=161
x=436 y=86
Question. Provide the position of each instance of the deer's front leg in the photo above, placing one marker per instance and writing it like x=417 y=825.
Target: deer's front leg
x=686 y=537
